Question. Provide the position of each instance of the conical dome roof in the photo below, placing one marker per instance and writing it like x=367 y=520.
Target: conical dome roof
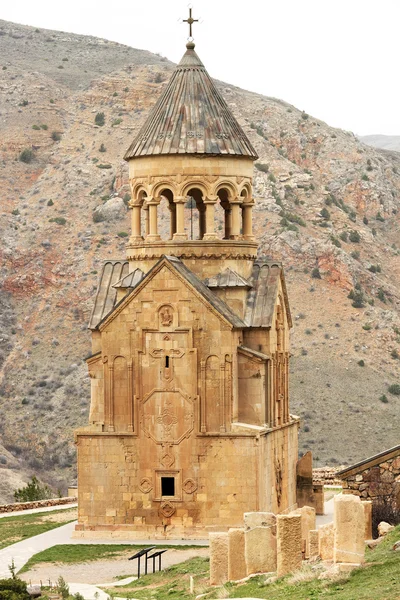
x=191 y=117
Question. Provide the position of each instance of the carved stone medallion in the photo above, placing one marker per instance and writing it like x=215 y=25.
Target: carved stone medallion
x=145 y=485
x=167 y=509
x=189 y=486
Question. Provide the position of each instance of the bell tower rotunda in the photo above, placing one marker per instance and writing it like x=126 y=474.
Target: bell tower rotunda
x=191 y=156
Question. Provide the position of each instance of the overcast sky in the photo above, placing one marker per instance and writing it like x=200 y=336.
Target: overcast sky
x=338 y=60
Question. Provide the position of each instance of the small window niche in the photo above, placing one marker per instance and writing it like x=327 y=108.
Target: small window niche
x=168 y=485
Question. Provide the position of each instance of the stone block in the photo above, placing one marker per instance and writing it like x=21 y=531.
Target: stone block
x=260 y=542
x=308 y=522
x=349 y=528
x=236 y=556
x=313 y=543
x=367 y=506
x=289 y=543
x=325 y=541
x=218 y=558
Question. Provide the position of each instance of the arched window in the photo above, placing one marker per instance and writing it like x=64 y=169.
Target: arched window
x=195 y=215
x=166 y=210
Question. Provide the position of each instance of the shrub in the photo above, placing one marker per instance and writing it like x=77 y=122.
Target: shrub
x=325 y=213
x=335 y=242
x=44 y=126
x=116 y=122
x=272 y=178
x=355 y=254
x=383 y=399
x=379 y=217
x=102 y=148
x=27 y=155
x=315 y=273
x=394 y=389
x=35 y=127
x=354 y=237
x=101 y=166
x=364 y=177
x=343 y=236
x=58 y=220
x=394 y=354
x=381 y=295
x=50 y=203
x=262 y=167
x=361 y=363
x=122 y=234
x=367 y=327
x=33 y=490
x=13 y=588
x=358 y=300
x=98 y=217
x=373 y=231
x=56 y=136
x=24 y=103
x=100 y=119
x=365 y=221
x=15 y=212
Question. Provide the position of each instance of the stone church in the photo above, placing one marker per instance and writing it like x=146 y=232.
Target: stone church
x=189 y=422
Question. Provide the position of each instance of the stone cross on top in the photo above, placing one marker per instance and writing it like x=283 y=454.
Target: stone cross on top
x=190 y=22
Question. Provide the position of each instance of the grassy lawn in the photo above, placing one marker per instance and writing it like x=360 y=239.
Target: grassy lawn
x=77 y=553
x=16 y=528
x=378 y=580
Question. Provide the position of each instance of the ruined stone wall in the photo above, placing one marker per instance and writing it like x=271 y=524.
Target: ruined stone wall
x=379 y=483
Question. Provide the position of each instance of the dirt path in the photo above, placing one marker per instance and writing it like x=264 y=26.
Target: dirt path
x=104 y=571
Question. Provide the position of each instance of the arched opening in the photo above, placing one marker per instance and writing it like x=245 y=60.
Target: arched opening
x=224 y=216
x=144 y=214
x=166 y=214
x=195 y=215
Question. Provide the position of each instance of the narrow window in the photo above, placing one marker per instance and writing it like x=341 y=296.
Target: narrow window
x=167 y=362
x=167 y=486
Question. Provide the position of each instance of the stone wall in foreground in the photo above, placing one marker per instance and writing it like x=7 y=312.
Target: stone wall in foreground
x=16 y=506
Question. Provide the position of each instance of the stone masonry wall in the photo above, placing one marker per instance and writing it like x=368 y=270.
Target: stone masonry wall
x=16 y=506
x=379 y=483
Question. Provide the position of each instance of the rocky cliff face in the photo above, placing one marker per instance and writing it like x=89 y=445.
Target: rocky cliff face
x=327 y=207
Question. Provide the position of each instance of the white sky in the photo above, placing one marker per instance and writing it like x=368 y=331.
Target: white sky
x=336 y=59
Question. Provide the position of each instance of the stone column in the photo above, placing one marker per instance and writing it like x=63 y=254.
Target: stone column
x=146 y=220
x=228 y=222
x=172 y=219
x=349 y=527
x=153 y=225
x=247 y=212
x=325 y=541
x=202 y=222
x=367 y=506
x=307 y=514
x=136 y=233
x=235 y=231
x=210 y=203
x=180 y=234
x=260 y=542
x=218 y=558
x=289 y=544
x=236 y=560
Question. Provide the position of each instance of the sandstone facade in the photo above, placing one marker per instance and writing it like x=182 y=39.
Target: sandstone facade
x=189 y=419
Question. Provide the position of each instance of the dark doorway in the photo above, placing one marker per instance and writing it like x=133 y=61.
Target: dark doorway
x=167 y=486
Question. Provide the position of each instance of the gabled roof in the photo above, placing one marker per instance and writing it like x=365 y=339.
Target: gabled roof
x=367 y=463
x=131 y=280
x=113 y=271
x=261 y=299
x=227 y=278
x=177 y=265
x=191 y=117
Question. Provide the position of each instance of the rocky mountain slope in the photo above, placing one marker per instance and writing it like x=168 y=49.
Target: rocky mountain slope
x=327 y=206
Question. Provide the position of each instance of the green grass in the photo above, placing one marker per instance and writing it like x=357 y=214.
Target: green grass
x=77 y=553
x=16 y=528
x=378 y=580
